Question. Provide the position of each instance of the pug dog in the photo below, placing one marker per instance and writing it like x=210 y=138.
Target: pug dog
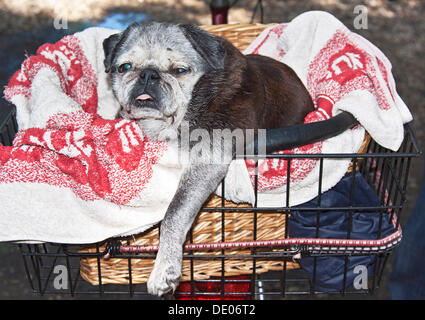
x=166 y=74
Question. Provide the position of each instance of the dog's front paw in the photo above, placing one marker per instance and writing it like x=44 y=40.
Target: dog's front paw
x=164 y=278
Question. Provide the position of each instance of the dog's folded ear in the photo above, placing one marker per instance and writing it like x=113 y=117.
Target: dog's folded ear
x=112 y=44
x=209 y=47
x=108 y=47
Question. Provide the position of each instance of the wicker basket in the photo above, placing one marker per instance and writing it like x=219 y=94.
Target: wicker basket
x=208 y=226
x=207 y=229
x=240 y=35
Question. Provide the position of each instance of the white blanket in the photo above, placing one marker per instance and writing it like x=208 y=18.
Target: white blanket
x=84 y=176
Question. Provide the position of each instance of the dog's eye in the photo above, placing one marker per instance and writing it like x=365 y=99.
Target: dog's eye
x=180 y=70
x=124 y=67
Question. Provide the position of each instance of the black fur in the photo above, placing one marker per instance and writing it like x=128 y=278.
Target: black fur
x=209 y=47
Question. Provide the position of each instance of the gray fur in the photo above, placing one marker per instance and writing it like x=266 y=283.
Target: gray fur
x=197 y=183
x=158 y=47
x=163 y=47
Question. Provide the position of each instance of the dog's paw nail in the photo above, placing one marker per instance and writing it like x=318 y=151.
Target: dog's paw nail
x=163 y=280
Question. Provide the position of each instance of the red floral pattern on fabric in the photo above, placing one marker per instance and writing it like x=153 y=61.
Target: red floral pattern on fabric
x=96 y=158
x=67 y=59
x=338 y=69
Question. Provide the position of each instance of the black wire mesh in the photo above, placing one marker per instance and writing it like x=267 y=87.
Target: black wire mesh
x=55 y=268
x=8 y=125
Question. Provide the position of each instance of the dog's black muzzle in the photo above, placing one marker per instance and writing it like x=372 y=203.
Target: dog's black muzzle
x=147 y=84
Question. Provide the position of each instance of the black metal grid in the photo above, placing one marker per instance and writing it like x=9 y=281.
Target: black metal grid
x=40 y=261
x=384 y=170
x=8 y=125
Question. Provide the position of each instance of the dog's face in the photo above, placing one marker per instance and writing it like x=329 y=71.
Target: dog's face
x=154 y=69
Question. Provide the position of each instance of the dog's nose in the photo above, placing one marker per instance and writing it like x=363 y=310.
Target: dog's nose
x=149 y=74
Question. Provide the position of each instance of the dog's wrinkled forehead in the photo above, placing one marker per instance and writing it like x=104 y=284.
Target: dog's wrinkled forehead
x=157 y=45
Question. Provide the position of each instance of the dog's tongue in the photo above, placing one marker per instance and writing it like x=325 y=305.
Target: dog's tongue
x=144 y=97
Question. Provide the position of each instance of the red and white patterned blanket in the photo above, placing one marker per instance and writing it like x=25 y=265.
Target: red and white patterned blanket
x=96 y=158
x=81 y=162
x=342 y=72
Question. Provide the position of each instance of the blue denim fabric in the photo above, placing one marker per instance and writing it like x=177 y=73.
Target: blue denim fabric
x=329 y=275
x=407 y=280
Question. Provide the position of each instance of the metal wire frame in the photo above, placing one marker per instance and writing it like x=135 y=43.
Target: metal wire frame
x=40 y=261
x=8 y=125
x=385 y=171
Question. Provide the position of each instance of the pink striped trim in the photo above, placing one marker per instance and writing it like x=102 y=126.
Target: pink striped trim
x=389 y=240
